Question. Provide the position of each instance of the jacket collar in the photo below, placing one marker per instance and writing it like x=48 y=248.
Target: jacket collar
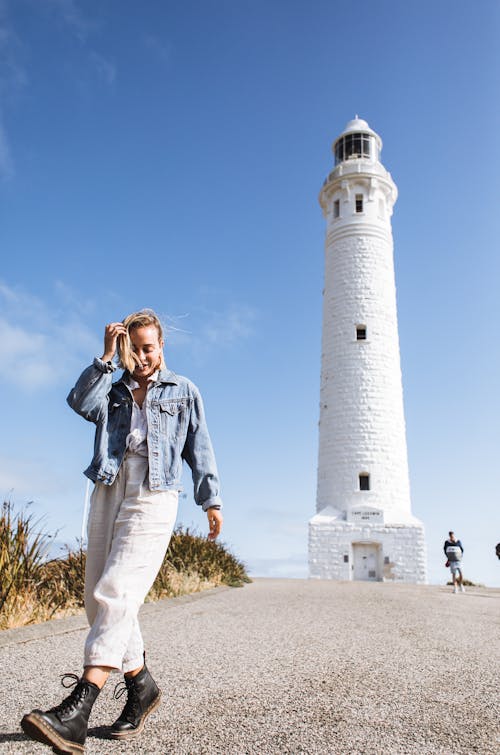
x=162 y=376
x=167 y=376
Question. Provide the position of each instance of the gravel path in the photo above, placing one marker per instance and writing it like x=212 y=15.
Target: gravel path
x=288 y=666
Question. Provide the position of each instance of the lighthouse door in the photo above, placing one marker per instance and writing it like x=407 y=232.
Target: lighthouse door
x=365 y=561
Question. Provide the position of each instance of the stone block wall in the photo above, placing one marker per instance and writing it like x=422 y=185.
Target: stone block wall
x=403 y=555
x=362 y=427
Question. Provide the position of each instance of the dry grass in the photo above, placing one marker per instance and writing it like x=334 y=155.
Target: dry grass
x=22 y=551
x=33 y=589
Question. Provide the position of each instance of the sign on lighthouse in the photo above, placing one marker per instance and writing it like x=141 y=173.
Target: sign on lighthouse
x=363 y=528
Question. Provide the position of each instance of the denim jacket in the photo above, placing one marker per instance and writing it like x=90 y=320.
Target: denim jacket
x=177 y=430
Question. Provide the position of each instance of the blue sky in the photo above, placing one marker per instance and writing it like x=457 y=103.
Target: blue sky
x=170 y=155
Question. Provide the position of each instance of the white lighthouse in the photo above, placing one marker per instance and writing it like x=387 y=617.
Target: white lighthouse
x=363 y=528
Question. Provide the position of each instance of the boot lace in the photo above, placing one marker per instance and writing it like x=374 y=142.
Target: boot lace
x=79 y=692
x=132 y=709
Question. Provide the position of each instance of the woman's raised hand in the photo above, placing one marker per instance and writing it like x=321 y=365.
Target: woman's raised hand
x=111 y=333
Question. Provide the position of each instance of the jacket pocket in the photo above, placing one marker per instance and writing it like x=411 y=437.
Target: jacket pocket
x=173 y=405
x=173 y=414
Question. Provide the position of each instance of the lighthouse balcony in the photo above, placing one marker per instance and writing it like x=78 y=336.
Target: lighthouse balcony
x=358 y=166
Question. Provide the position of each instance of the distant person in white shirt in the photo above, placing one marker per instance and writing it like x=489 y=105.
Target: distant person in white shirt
x=454 y=552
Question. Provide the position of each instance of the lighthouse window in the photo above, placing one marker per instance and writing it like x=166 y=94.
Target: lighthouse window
x=364 y=482
x=339 y=151
x=361 y=332
x=359 y=203
x=352 y=146
x=336 y=208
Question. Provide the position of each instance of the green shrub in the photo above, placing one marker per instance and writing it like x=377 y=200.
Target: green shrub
x=467 y=583
x=192 y=563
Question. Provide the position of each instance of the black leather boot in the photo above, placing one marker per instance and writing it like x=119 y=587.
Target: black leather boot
x=65 y=726
x=143 y=697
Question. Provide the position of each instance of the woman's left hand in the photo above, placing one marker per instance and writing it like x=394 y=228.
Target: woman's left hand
x=215 y=520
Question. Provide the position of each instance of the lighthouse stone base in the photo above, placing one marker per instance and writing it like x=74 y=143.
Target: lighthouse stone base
x=366 y=547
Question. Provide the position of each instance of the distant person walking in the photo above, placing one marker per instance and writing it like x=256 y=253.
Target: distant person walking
x=147 y=423
x=454 y=552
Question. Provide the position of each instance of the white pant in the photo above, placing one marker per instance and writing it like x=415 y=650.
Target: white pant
x=128 y=534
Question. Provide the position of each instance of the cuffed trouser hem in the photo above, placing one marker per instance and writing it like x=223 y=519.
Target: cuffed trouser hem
x=132 y=665
x=115 y=664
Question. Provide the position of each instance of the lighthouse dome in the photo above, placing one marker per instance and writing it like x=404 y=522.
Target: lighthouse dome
x=358 y=124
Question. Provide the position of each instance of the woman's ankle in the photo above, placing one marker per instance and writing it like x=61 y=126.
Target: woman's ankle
x=97 y=675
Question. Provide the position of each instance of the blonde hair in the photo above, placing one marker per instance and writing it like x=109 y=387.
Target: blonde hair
x=142 y=319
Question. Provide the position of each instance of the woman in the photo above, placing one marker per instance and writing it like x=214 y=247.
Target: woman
x=146 y=424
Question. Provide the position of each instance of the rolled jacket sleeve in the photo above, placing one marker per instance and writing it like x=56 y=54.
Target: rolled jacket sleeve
x=199 y=455
x=89 y=396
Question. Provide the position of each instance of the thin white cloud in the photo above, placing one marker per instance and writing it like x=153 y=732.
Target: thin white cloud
x=35 y=334
x=82 y=26
x=22 y=346
x=161 y=50
x=205 y=329
x=104 y=67
x=13 y=53
x=228 y=327
x=66 y=295
x=73 y=17
x=13 y=74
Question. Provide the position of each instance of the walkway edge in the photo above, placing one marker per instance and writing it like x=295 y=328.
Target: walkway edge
x=56 y=627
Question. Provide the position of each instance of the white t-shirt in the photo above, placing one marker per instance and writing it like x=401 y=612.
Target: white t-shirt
x=453 y=553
